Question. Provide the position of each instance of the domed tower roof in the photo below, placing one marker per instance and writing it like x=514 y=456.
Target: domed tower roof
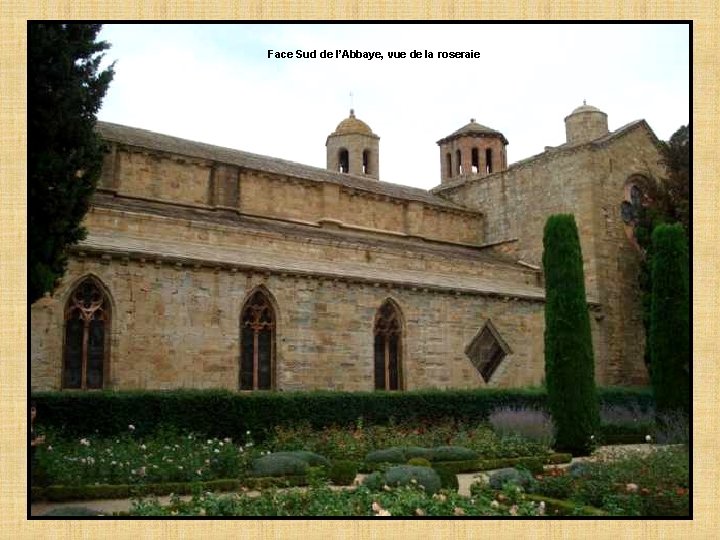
x=474 y=129
x=353 y=148
x=353 y=126
x=584 y=108
x=585 y=123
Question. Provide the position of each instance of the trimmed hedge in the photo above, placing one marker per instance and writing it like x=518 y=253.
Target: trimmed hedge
x=624 y=433
x=278 y=465
x=126 y=491
x=448 y=479
x=474 y=465
x=222 y=413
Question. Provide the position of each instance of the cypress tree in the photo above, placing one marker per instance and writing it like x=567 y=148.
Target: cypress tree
x=65 y=90
x=670 y=320
x=569 y=363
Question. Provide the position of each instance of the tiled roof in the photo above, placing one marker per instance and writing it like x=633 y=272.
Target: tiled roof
x=352 y=125
x=165 y=143
x=473 y=128
x=245 y=257
x=259 y=225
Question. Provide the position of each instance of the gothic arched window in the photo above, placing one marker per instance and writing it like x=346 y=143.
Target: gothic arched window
x=388 y=347
x=87 y=334
x=257 y=347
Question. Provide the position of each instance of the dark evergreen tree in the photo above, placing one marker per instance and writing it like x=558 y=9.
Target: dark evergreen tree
x=670 y=320
x=569 y=363
x=666 y=200
x=65 y=90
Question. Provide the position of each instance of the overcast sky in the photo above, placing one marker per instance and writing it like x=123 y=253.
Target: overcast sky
x=216 y=84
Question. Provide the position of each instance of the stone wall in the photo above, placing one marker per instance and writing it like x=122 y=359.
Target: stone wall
x=178 y=327
x=145 y=174
x=587 y=181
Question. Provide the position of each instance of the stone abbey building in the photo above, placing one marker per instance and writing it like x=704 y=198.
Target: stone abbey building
x=207 y=267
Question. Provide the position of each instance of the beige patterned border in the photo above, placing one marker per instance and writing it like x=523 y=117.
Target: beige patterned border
x=13 y=321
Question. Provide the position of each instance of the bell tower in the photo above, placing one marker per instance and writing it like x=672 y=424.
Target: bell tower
x=353 y=148
x=472 y=150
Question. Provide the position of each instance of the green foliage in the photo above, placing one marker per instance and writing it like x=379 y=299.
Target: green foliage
x=165 y=456
x=557 y=507
x=274 y=465
x=386 y=455
x=624 y=433
x=636 y=485
x=419 y=462
x=667 y=200
x=315 y=421
x=452 y=453
x=60 y=493
x=65 y=90
x=448 y=478
x=417 y=452
x=405 y=475
x=676 y=187
x=343 y=472
x=311 y=458
x=322 y=501
x=532 y=465
x=670 y=320
x=569 y=364
x=518 y=477
x=559 y=487
x=374 y=481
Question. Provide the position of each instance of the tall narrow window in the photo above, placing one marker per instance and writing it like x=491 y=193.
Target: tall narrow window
x=475 y=161
x=458 y=162
x=344 y=161
x=448 y=164
x=87 y=331
x=257 y=343
x=488 y=160
x=388 y=347
x=366 y=162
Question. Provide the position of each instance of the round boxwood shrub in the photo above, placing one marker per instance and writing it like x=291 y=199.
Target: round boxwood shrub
x=452 y=453
x=311 y=458
x=386 y=455
x=405 y=475
x=374 y=481
x=448 y=478
x=519 y=477
x=343 y=472
x=274 y=465
x=419 y=462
